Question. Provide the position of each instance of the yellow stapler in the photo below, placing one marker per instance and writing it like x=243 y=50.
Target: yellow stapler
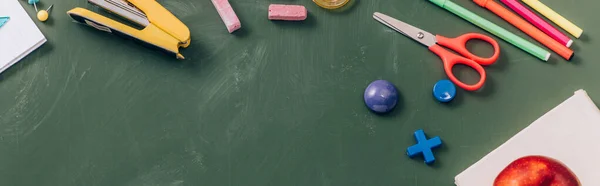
x=161 y=30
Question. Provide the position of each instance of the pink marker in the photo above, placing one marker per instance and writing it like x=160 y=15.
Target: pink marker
x=227 y=15
x=287 y=12
x=538 y=22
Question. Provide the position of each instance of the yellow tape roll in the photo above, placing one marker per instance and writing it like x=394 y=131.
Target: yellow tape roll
x=331 y=4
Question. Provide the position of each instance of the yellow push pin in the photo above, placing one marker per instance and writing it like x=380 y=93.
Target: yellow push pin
x=42 y=15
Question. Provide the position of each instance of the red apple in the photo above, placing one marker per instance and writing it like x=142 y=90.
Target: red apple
x=536 y=171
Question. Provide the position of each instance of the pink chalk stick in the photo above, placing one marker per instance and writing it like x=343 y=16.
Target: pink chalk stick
x=287 y=12
x=538 y=22
x=227 y=15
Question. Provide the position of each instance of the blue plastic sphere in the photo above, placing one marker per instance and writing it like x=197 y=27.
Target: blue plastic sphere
x=381 y=96
x=444 y=91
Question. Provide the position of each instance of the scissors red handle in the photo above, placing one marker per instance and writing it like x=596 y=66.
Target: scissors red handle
x=459 y=45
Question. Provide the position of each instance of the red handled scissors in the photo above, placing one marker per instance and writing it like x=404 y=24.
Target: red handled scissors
x=449 y=59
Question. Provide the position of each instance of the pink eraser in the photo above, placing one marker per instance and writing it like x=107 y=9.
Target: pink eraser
x=287 y=12
x=227 y=15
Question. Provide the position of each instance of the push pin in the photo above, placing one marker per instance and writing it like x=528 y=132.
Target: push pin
x=42 y=15
x=3 y=19
x=444 y=91
x=33 y=2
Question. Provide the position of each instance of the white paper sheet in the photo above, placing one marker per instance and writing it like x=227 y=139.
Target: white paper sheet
x=568 y=133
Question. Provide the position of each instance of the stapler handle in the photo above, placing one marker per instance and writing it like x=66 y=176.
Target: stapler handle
x=151 y=36
x=164 y=19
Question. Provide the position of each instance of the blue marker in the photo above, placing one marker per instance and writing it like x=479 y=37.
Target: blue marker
x=444 y=91
x=424 y=146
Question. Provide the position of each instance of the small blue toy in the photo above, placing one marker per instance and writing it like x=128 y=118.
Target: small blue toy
x=424 y=146
x=444 y=91
x=381 y=96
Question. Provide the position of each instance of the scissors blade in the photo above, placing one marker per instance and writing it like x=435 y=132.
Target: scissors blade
x=415 y=33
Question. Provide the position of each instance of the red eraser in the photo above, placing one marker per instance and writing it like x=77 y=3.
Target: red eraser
x=287 y=12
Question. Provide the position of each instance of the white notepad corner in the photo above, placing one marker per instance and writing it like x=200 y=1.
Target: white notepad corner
x=19 y=36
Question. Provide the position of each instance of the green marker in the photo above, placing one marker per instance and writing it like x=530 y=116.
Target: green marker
x=494 y=29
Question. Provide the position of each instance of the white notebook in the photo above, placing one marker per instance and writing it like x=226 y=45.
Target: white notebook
x=561 y=147
x=19 y=36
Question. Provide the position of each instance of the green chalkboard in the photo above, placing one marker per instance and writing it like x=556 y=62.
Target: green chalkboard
x=275 y=103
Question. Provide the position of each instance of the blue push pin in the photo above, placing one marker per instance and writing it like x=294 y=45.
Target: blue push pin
x=444 y=91
x=424 y=146
x=3 y=19
x=33 y=2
